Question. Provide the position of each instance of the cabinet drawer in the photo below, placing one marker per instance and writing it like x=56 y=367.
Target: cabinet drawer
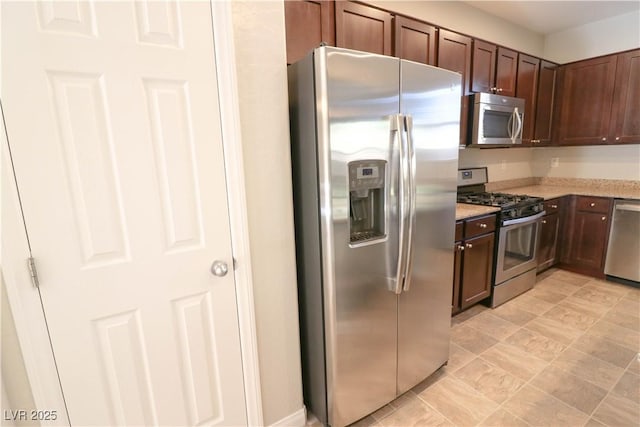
x=483 y=225
x=552 y=206
x=593 y=204
x=459 y=228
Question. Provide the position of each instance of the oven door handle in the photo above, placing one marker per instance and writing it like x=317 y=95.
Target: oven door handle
x=531 y=218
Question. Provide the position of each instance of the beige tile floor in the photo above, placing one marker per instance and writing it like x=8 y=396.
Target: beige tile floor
x=563 y=354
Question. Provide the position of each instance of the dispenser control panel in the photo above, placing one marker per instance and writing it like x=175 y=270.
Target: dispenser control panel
x=366 y=174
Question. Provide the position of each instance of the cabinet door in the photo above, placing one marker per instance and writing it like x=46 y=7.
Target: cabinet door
x=589 y=240
x=363 y=28
x=457 y=267
x=506 y=72
x=454 y=53
x=625 y=114
x=414 y=40
x=586 y=99
x=527 y=87
x=307 y=24
x=547 y=246
x=544 y=103
x=477 y=267
x=483 y=67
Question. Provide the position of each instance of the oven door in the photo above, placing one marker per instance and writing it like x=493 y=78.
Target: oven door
x=517 y=247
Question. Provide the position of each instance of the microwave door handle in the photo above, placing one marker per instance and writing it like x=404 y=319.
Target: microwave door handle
x=510 y=127
x=411 y=215
x=519 y=124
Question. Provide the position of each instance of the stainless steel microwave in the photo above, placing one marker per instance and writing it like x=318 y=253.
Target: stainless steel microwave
x=496 y=120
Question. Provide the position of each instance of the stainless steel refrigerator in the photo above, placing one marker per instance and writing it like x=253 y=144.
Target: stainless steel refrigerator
x=375 y=155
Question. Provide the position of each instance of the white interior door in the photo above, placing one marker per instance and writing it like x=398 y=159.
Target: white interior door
x=112 y=116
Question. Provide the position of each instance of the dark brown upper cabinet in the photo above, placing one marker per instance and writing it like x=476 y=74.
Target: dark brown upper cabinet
x=454 y=53
x=364 y=28
x=307 y=24
x=527 y=89
x=506 y=71
x=494 y=69
x=625 y=112
x=483 y=67
x=586 y=96
x=542 y=134
x=414 y=40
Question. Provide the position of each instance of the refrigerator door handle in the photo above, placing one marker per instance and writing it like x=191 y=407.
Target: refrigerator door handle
x=397 y=125
x=411 y=215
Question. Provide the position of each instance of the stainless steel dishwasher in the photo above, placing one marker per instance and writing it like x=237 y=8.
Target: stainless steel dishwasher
x=623 y=253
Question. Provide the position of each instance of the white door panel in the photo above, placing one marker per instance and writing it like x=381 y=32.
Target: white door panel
x=112 y=115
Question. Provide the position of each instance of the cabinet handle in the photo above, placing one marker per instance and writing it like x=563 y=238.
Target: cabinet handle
x=604 y=139
x=554 y=206
x=493 y=89
x=617 y=138
x=544 y=221
x=482 y=225
x=499 y=89
x=460 y=248
x=604 y=218
x=592 y=204
x=469 y=246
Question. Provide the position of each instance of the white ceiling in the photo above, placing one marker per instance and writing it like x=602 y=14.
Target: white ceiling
x=545 y=17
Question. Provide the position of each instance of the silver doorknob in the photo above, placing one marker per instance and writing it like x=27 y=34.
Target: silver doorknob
x=219 y=268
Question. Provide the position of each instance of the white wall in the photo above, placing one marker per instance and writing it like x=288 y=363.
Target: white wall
x=596 y=162
x=461 y=17
x=502 y=163
x=262 y=84
x=609 y=35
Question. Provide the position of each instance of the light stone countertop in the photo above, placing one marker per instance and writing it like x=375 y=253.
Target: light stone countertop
x=550 y=188
x=553 y=191
x=464 y=210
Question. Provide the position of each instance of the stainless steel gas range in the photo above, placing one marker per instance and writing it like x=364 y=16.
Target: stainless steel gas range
x=519 y=221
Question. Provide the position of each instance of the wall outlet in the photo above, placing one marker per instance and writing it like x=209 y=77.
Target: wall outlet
x=503 y=164
x=555 y=162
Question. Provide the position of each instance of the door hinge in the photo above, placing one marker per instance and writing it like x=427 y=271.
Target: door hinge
x=33 y=272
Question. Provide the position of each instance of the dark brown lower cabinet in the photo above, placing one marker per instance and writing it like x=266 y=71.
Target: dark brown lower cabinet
x=457 y=269
x=587 y=235
x=477 y=266
x=473 y=262
x=548 y=244
x=551 y=224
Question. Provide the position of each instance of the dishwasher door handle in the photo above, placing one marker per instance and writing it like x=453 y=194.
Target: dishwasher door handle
x=634 y=208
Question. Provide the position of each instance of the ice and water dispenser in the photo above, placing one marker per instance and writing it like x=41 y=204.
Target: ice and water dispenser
x=366 y=200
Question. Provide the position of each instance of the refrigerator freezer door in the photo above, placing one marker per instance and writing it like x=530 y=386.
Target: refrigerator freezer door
x=430 y=97
x=357 y=104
